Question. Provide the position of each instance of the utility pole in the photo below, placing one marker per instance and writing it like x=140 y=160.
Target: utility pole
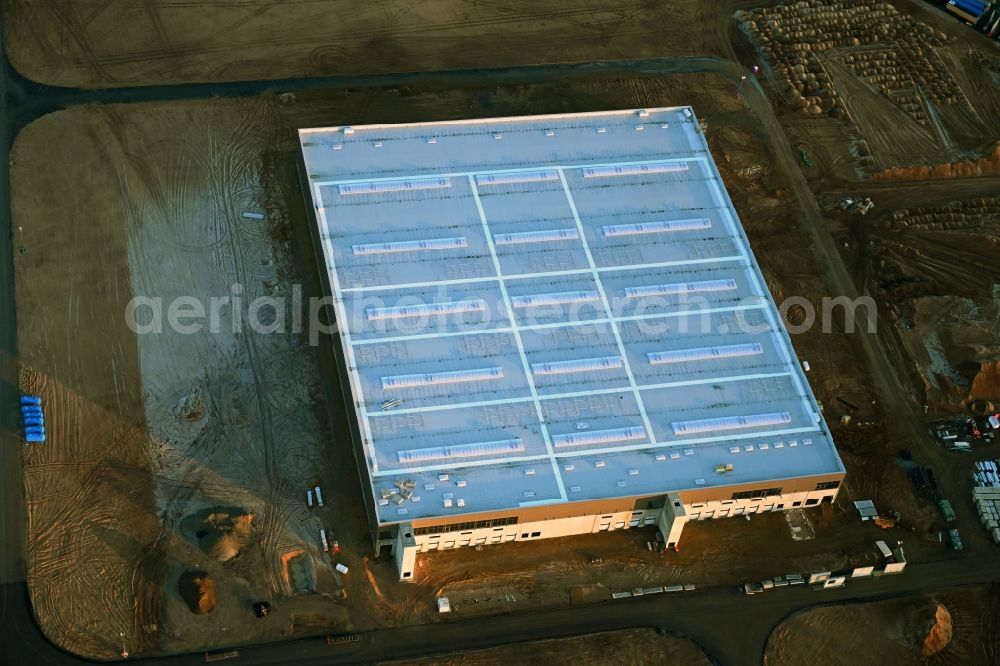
x=739 y=89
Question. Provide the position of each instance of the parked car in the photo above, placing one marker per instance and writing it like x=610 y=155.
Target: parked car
x=752 y=588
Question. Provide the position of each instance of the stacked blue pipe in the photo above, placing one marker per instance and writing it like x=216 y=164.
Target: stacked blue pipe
x=973 y=7
x=32 y=418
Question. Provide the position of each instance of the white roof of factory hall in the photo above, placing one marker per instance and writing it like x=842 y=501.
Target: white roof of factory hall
x=551 y=309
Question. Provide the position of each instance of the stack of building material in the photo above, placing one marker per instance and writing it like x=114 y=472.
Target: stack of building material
x=986 y=474
x=32 y=418
x=986 y=496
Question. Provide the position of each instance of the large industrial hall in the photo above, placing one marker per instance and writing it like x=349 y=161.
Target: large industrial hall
x=554 y=325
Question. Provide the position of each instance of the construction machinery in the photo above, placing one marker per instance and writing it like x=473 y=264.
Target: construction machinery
x=885 y=522
x=856 y=205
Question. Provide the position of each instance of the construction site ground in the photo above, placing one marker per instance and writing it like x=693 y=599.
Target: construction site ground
x=957 y=626
x=638 y=647
x=156 y=440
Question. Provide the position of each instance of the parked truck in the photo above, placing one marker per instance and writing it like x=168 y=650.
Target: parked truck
x=946 y=510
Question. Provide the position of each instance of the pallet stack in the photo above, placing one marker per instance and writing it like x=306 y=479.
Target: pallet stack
x=986 y=496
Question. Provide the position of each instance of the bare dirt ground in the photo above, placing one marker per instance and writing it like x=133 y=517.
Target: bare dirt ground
x=638 y=647
x=958 y=626
x=133 y=42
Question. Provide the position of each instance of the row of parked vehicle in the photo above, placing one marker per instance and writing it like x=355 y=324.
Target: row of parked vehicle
x=770 y=583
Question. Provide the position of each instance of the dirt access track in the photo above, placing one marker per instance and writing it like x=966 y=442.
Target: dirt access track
x=636 y=647
x=137 y=42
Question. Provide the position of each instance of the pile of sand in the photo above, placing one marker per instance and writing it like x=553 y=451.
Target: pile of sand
x=197 y=589
x=222 y=535
x=939 y=634
x=986 y=383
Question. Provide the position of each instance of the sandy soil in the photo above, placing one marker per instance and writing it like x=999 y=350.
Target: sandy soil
x=637 y=647
x=131 y=42
x=171 y=427
x=955 y=627
x=92 y=517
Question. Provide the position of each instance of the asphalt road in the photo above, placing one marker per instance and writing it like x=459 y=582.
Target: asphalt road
x=732 y=628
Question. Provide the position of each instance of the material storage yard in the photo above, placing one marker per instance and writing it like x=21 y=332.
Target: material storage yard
x=175 y=454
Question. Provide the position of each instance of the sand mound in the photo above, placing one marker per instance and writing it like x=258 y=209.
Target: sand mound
x=222 y=534
x=939 y=635
x=986 y=383
x=197 y=588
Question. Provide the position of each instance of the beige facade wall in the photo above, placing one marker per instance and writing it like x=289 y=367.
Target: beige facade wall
x=539 y=529
x=783 y=502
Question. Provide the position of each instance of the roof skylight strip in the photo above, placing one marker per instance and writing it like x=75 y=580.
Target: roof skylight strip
x=516 y=177
x=577 y=365
x=404 y=185
x=410 y=246
x=459 y=451
x=680 y=288
x=704 y=353
x=440 y=378
x=634 y=169
x=626 y=434
x=542 y=236
x=730 y=423
x=656 y=227
x=557 y=298
x=425 y=310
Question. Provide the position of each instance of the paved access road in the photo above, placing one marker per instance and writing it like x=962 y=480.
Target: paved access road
x=732 y=628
